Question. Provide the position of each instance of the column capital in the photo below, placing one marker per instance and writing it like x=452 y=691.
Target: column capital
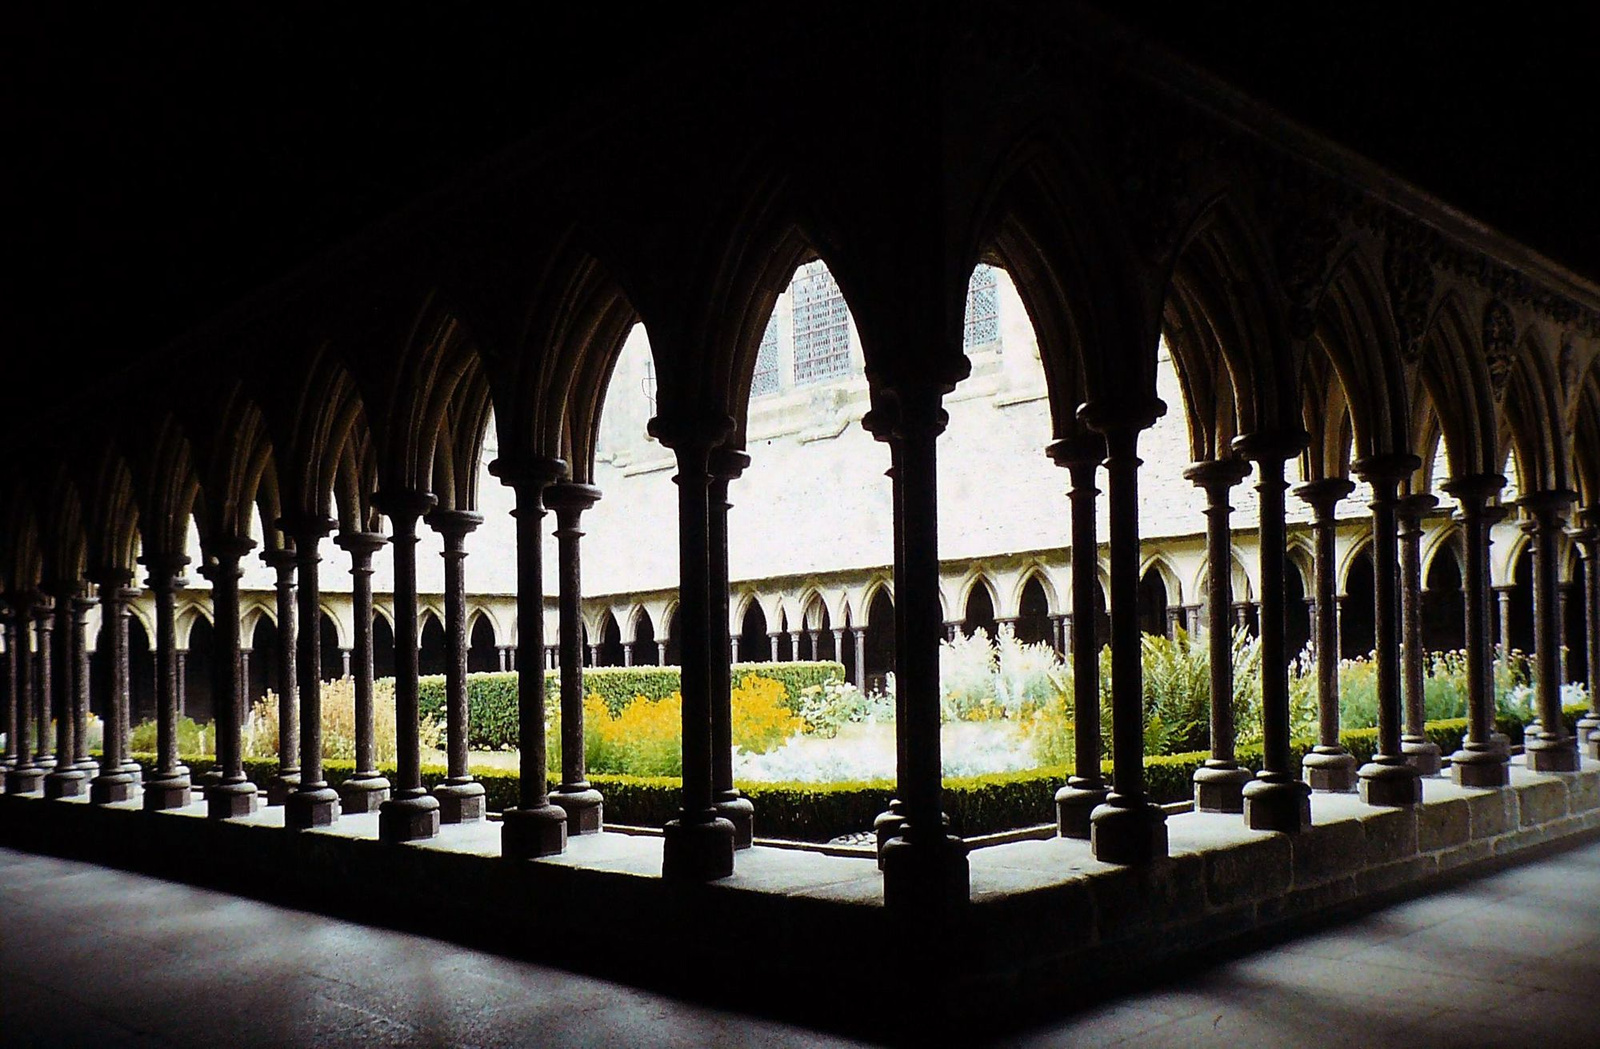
x=106 y=576
x=1106 y=416
x=1085 y=449
x=528 y=472
x=1549 y=506
x=727 y=463
x=570 y=495
x=1588 y=541
x=65 y=590
x=1323 y=495
x=1413 y=508
x=282 y=560
x=1473 y=488
x=907 y=410
x=358 y=544
x=456 y=525
x=1221 y=474
x=686 y=431
x=305 y=526
x=164 y=570
x=1270 y=445
x=227 y=547
x=403 y=506
x=1387 y=467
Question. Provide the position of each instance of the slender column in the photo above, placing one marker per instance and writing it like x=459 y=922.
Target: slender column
x=726 y=465
x=594 y=655
x=500 y=653
x=924 y=868
x=1503 y=595
x=1329 y=766
x=1589 y=544
x=627 y=653
x=794 y=646
x=1388 y=779
x=1553 y=750
x=584 y=806
x=183 y=682
x=661 y=653
x=1085 y=789
x=81 y=604
x=245 y=652
x=44 y=685
x=733 y=648
x=858 y=635
x=367 y=788
x=410 y=813
x=535 y=827
x=66 y=780
x=772 y=642
x=461 y=798
x=114 y=783
x=313 y=803
x=24 y=777
x=891 y=822
x=1481 y=761
x=838 y=644
x=1219 y=783
x=1421 y=752
x=9 y=719
x=1068 y=632
x=168 y=784
x=344 y=660
x=1277 y=799
x=288 y=777
x=232 y=794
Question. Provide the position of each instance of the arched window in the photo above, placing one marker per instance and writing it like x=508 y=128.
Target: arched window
x=1153 y=603
x=753 y=644
x=880 y=641
x=1033 y=614
x=482 y=656
x=430 y=650
x=979 y=612
x=1356 y=610
x=609 y=653
x=1443 y=604
x=821 y=326
x=645 y=651
x=982 y=324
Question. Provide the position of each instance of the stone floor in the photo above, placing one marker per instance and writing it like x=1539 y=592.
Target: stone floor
x=92 y=956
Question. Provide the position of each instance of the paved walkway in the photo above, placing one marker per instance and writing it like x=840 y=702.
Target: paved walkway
x=102 y=958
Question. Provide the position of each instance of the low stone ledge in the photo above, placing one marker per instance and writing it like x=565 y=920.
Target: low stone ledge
x=1542 y=801
x=1492 y=813
x=1444 y=824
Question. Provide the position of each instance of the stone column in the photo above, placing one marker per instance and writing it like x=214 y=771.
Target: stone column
x=312 y=803
x=627 y=653
x=794 y=646
x=1329 y=766
x=288 y=778
x=1503 y=595
x=66 y=780
x=183 y=682
x=1566 y=589
x=858 y=635
x=410 y=813
x=733 y=648
x=44 y=687
x=25 y=776
x=535 y=827
x=1422 y=753
x=9 y=719
x=503 y=653
x=114 y=783
x=584 y=806
x=661 y=653
x=231 y=794
x=168 y=784
x=1553 y=750
x=1219 y=783
x=1277 y=799
x=1085 y=789
x=838 y=645
x=1480 y=762
x=81 y=604
x=772 y=642
x=366 y=789
x=594 y=655
x=1388 y=779
x=726 y=465
x=1068 y=632
x=1589 y=545
x=925 y=868
x=460 y=796
x=245 y=653
x=1005 y=626
x=890 y=823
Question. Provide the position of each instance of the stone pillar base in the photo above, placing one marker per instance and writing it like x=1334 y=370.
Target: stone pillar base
x=135 y=772
x=922 y=875
x=362 y=795
x=163 y=794
x=65 y=782
x=1278 y=803
x=1421 y=754
x=739 y=811
x=1331 y=770
x=585 y=810
x=206 y=780
x=1127 y=832
x=697 y=851
x=1219 y=787
x=282 y=785
x=226 y=801
x=106 y=790
x=1549 y=755
x=25 y=781
x=1074 y=804
x=887 y=826
x=460 y=802
x=414 y=818
x=1479 y=765
x=1501 y=743
x=1389 y=784
x=1592 y=748
x=305 y=809
x=527 y=834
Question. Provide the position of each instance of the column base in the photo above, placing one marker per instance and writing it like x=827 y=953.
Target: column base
x=1391 y=782
x=1219 y=786
x=362 y=794
x=226 y=801
x=167 y=792
x=460 y=802
x=922 y=875
x=310 y=807
x=584 y=806
x=25 y=781
x=115 y=787
x=739 y=811
x=135 y=772
x=527 y=834
x=1331 y=770
x=887 y=826
x=1274 y=801
x=1592 y=746
x=206 y=780
x=65 y=782
x=1075 y=803
x=1501 y=743
x=1128 y=831
x=282 y=785
x=694 y=852
x=411 y=818
x=1549 y=754
x=1421 y=754
x=1588 y=724
x=1479 y=765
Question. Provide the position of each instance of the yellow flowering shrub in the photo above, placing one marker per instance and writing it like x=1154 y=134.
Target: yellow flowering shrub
x=762 y=719
x=260 y=735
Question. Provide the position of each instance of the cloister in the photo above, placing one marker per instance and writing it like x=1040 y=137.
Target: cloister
x=1324 y=324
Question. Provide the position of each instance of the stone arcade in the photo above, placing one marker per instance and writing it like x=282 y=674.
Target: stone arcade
x=1317 y=311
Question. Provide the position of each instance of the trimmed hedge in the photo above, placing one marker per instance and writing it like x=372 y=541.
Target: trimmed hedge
x=492 y=697
x=820 y=811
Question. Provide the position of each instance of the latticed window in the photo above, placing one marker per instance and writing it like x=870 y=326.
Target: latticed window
x=821 y=326
x=983 y=309
x=765 y=379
